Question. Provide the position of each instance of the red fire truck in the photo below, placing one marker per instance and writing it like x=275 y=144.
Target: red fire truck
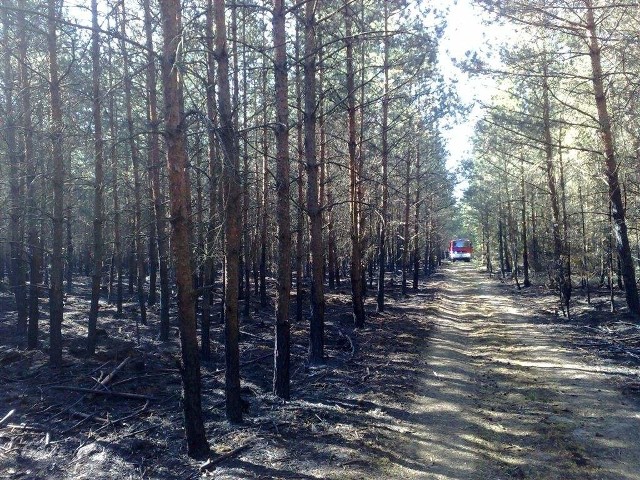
x=460 y=249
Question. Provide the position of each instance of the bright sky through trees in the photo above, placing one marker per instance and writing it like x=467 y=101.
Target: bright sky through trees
x=468 y=32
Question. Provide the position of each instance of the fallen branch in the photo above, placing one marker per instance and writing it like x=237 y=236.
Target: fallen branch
x=142 y=430
x=138 y=377
x=87 y=416
x=244 y=364
x=75 y=425
x=212 y=462
x=133 y=396
x=7 y=416
x=125 y=418
x=25 y=428
x=100 y=367
x=106 y=380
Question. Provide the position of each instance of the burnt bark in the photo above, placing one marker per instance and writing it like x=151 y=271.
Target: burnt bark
x=382 y=239
x=175 y=137
x=214 y=171
x=281 y=383
x=56 y=302
x=33 y=237
x=312 y=167
x=233 y=211
x=559 y=261
x=98 y=147
x=611 y=165
x=523 y=225
x=157 y=194
x=354 y=179
x=17 y=278
x=137 y=175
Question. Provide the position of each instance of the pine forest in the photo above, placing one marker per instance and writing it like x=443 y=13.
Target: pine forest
x=231 y=236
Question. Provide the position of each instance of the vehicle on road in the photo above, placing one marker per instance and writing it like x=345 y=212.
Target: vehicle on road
x=460 y=249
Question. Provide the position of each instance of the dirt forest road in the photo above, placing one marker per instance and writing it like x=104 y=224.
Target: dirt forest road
x=502 y=398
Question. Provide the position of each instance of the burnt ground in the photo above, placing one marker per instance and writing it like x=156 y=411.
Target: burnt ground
x=467 y=378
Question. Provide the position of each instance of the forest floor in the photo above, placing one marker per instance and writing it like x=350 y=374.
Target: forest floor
x=467 y=378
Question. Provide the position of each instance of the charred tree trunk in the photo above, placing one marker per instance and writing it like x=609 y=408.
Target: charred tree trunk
x=585 y=251
x=282 y=335
x=233 y=227
x=17 y=278
x=354 y=183
x=300 y=176
x=56 y=293
x=33 y=238
x=611 y=166
x=405 y=231
x=115 y=186
x=501 y=245
x=175 y=137
x=563 y=283
x=382 y=248
x=316 y=331
x=69 y=262
x=265 y=171
x=158 y=197
x=137 y=181
x=331 y=239
x=98 y=147
x=416 y=224
x=525 y=247
x=214 y=172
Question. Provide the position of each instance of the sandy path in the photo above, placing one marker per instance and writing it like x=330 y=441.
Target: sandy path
x=501 y=398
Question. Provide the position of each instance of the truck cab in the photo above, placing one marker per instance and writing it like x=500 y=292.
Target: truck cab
x=460 y=249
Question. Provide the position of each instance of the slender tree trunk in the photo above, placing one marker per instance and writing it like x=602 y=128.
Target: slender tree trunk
x=416 y=224
x=115 y=185
x=17 y=277
x=264 y=220
x=69 y=261
x=525 y=247
x=199 y=221
x=98 y=145
x=331 y=239
x=233 y=227
x=175 y=137
x=300 y=176
x=501 y=245
x=563 y=282
x=488 y=245
x=131 y=262
x=152 y=246
x=405 y=232
x=245 y=255
x=382 y=248
x=282 y=334
x=316 y=331
x=322 y=134
x=364 y=239
x=354 y=178
x=535 y=247
x=611 y=166
x=33 y=238
x=56 y=303
x=137 y=180
x=585 y=261
x=214 y=172
x=154 y=172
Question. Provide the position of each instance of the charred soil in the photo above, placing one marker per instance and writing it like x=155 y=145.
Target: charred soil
x=465 y=378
